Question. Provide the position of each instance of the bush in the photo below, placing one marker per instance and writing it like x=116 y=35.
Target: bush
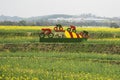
x=114 y=25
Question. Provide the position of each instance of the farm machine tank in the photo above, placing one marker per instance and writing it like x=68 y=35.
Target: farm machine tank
x=58 y=34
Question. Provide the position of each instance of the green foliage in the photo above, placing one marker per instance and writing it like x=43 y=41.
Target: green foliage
x=26 y=38
x=67 y=40
x=86 y=60
x=114 y=25
x=22 y=23
x=63 y=66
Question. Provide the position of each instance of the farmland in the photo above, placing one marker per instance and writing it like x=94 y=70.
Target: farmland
x=23 y=57
x=20 y=34
x=62 y=66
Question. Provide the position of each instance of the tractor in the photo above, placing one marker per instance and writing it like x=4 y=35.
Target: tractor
x=46 y=32
x=61 y=35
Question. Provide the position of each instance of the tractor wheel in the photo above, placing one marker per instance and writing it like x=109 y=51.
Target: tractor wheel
x=69 y=29
x=50 y=35
x=61 y=28
x=55 y=28
x=41 y=35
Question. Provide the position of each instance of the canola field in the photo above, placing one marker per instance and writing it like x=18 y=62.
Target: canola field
x=29 y=64
x=21 y=34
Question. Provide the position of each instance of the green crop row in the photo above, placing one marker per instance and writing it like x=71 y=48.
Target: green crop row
x=36 y=39
x=93 y=35
x=59 y=66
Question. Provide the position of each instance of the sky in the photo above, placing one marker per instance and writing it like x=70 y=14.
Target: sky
x=31 y=8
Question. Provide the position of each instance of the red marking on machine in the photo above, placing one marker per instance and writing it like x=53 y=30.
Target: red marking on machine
x=59 y=33
x=46 y=32
x=72 y=28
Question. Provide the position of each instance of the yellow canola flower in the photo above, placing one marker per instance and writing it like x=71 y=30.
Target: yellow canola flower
x=24 y=27
x=35 y=79
x=97 y=29
x=0 y=78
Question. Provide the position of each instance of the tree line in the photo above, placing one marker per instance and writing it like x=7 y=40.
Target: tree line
x=64 y=23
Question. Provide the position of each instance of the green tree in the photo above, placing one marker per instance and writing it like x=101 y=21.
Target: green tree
x=114 y=25
x=22 y=23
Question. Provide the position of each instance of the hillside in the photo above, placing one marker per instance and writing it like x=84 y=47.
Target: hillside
x=9 y=18
x=58 y=17
x=65 y=20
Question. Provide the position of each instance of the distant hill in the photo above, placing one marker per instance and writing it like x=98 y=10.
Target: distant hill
x=60 y=17
x=48 y=17
x=9 y=18
x=47 y=20
x=55 y=17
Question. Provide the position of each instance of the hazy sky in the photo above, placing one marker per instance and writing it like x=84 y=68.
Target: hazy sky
x=28 y=8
